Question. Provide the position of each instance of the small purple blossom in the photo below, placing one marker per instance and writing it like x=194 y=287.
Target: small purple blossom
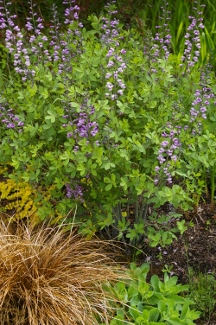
x=192 y=40
x=164 y=143
x=75 y=192
x=9 y=119
x=167 y=153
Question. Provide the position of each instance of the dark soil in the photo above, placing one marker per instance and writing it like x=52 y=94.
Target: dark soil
x=195 y=249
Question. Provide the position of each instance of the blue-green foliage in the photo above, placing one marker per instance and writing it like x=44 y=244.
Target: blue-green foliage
x=155 y=303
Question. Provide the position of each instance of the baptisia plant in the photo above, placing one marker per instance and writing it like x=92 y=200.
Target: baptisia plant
x=105 y=126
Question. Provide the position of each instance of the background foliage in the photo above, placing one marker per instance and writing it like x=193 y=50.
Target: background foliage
x=140 y=13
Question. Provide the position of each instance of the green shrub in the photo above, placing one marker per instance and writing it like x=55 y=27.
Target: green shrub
x=111 y=122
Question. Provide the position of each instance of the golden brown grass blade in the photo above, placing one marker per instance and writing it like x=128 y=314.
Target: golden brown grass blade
x=52 y=277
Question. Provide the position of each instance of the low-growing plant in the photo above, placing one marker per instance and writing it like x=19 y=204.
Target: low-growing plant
x=155 y=303
x=160 y=229
x=21 y=200
x=52 y=276
x=16 y=198
x=202 y=291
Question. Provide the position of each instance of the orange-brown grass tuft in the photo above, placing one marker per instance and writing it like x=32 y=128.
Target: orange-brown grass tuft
x=52 y=277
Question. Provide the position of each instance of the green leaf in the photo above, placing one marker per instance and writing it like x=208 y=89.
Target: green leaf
x=79 y=73
x=181 y=226
x=154 y=314
x=49 y=76
x=184 y=310
x=108 y=165
x=32 y=90
x=176 y=321
x=81 y=169
x=162 y=307
x=15 y=163
x=74 y=105
x=155 y=282
x=108 y=187
x=51 y=117
x=124 y=154
x=44 y=92
x=134 y=313
x=134 y=301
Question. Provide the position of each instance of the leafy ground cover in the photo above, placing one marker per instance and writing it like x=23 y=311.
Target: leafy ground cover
x=104 y=127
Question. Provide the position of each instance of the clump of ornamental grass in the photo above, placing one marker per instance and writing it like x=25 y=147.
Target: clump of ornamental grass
x=51 y=276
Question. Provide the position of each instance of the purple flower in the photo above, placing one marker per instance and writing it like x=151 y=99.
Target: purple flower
x=69 y=134
x=110 y=64
x=109 y=85
x=164 y=143
x=76 y=192
x=10 y=126
x=123 y=51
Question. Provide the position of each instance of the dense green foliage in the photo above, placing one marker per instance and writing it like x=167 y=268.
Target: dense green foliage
x=109 y=123
x=142 y=14
x=154 y=303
